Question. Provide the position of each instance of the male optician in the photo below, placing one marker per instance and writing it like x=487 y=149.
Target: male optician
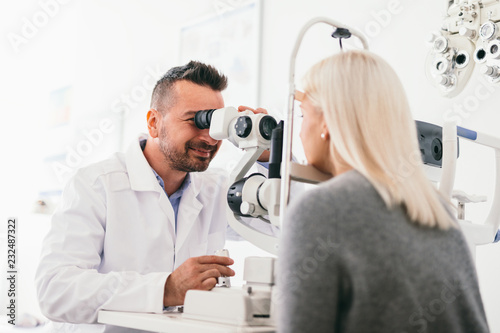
x=133 y=232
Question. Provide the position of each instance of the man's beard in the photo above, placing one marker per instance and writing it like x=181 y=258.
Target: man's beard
x=182 y=160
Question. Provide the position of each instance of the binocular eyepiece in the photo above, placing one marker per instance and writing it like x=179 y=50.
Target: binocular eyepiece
x=244 y=125
x=203 y=118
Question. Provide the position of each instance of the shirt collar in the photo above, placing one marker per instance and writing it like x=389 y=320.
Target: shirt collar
x=180 y=190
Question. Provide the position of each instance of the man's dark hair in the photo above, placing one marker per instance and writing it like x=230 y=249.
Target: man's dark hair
x=199 y=73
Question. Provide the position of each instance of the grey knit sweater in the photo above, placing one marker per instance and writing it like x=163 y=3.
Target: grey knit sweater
x=348 y=264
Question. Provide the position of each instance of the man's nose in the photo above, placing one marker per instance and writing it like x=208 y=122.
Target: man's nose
x=205 y=136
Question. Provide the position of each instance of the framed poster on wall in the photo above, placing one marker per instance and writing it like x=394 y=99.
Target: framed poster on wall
x=229 y=40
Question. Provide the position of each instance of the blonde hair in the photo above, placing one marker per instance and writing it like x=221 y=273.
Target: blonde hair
x=372 y=130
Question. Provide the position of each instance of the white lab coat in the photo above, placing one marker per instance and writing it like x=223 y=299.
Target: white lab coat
x=112 y=243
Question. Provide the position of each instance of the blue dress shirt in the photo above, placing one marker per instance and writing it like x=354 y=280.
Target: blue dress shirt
x=175 y=198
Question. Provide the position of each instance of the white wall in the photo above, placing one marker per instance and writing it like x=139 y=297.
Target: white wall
x=110 y=50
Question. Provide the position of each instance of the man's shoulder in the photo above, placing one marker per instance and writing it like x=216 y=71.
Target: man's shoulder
x=115 y=164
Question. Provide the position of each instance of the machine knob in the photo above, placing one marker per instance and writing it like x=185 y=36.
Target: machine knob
x=243 y=126
x=488 y=30
x=247 y=208
x=223 y=281
x=467 y=32
x=444 y=80
x=441 y=44
x=489 y=71
x=494 y=48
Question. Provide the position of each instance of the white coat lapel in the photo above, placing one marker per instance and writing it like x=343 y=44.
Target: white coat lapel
x=189 y=210
x=139 y=171
x=142 y=178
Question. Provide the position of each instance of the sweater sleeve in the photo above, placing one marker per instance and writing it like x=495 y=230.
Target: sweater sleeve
x=70 y=288
x=311 y=276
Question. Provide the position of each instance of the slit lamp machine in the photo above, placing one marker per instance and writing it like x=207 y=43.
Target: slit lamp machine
x=250 y=308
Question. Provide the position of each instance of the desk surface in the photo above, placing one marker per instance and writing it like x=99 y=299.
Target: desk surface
x=172 y=323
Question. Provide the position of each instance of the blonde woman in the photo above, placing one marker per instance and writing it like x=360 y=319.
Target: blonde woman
x=371 y=250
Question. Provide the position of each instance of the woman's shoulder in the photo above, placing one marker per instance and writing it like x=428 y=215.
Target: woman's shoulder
x=351 y=184
x=349 y=181
x=341 y=192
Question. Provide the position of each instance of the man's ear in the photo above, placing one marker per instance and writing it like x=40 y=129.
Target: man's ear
x=153 y=120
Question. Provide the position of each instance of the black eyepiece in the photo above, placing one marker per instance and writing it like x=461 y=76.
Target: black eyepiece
x=266 y=126
x=203 y=118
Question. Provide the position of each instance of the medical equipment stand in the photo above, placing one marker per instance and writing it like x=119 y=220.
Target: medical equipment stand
x=475 y=233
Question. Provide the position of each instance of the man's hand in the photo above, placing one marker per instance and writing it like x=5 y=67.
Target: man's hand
x=264 y=157
x=195 y=273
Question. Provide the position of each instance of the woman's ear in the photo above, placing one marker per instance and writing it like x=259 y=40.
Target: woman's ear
x=153 y=120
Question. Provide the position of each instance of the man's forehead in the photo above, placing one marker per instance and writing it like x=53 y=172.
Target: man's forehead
x=184 y=87
x=191 y=97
